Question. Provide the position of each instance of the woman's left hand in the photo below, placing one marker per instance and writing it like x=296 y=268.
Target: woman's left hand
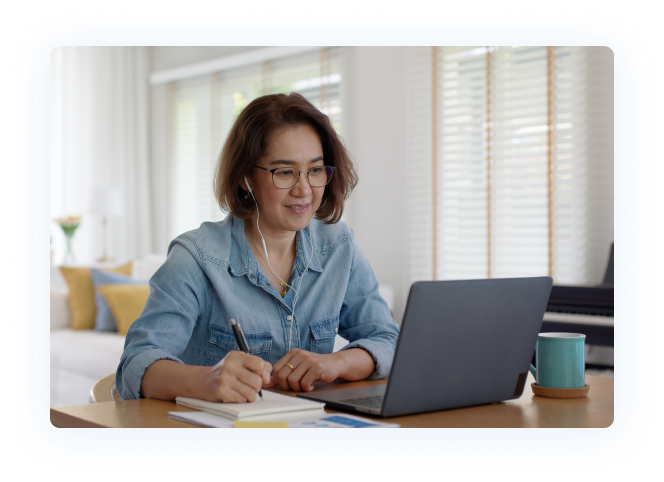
x=309 y=367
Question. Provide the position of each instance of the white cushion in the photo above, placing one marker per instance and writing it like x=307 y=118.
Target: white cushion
x=69 y=388
x=60 y=312
x=145 y=268
x=388 y=295
x=57 y=280
x=91 y=353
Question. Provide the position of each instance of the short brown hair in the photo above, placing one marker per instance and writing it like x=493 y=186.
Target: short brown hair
x=247 y=142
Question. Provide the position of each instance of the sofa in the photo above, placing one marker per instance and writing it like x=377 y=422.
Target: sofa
x=80 y=358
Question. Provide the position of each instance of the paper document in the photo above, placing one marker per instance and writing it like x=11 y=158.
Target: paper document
x=324 y=420
x=339 y=420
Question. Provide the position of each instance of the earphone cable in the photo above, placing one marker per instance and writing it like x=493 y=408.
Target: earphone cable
x=306 y=270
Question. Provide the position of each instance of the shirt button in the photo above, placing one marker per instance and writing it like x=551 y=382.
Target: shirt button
x=336 y=330
x=251 y=276
x=289 y=317
x=267 y=284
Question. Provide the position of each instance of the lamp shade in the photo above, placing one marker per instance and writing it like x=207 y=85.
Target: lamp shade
x=106 y=201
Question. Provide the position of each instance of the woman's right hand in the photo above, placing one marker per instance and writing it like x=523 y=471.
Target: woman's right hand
x=236 y=378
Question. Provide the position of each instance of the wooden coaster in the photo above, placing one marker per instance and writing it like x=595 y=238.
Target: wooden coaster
x=560 y=392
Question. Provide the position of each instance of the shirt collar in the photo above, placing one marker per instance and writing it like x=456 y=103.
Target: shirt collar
x=303 y=251
x=242 y=262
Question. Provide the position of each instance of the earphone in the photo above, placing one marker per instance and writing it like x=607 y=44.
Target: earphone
x=259 y=229
x=306 y=270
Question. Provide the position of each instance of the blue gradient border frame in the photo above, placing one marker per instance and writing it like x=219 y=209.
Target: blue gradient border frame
x=281 y=451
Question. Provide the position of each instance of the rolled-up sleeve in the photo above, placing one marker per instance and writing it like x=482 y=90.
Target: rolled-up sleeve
x=365 y=318
x=179 y=292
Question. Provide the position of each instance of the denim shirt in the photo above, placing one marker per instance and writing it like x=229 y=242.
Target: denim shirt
x=211 y=276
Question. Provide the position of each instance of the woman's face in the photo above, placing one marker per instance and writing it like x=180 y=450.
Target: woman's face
x=288 y=209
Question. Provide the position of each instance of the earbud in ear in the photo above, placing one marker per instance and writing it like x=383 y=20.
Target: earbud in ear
x=246 y=183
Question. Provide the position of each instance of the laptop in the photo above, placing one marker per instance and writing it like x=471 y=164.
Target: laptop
x=461 y=343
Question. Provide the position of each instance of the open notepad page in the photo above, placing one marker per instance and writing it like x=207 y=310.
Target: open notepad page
x=273 y=404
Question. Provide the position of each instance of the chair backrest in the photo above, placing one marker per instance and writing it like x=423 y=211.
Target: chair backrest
x=104 y=390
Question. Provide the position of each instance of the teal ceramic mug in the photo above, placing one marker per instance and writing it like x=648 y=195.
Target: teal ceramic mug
x=560 y=359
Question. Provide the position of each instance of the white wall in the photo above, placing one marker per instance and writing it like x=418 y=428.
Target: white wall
x=170 y=57
x=374 y=126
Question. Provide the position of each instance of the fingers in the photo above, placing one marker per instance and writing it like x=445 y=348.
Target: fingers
x=268 y=380
x=253 y=363
x=281 y=371
x=271 y=383
x=307 y=368
x=237 y=394
x=267 y=369
x=313 y=373
x=285 y=359
x=241 y=377
x=293 y=378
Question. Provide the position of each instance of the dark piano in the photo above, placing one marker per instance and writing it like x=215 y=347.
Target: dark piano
x=583 y=309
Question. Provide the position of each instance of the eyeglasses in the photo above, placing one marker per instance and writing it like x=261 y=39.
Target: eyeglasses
x=287 y=177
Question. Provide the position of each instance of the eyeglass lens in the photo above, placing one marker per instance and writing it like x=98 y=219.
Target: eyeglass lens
x=286 y=177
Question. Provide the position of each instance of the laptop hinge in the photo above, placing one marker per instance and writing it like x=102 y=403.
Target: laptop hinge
x=520 y=382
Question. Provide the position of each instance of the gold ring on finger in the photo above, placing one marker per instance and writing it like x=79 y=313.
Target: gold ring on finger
x=290 y=366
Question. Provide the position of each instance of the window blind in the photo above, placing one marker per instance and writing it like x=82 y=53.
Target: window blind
x=518 y=179
x=201 y=111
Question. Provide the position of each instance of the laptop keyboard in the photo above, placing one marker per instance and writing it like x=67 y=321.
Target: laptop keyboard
x=375 y=401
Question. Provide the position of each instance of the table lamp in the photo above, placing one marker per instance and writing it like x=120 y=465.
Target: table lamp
x=106 y=202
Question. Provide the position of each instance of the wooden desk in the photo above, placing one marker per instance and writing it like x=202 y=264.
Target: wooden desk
x=595 y=410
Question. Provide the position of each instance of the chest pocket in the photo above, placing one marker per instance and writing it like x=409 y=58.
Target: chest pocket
x=222 y=342
x=323 y=333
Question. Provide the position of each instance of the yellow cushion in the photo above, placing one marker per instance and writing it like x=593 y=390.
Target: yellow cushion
x=81 y=294
x=126 y=302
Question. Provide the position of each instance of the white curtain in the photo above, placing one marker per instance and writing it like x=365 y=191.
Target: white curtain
x=99 y=138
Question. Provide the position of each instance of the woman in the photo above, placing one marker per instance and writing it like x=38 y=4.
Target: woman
x=292 y=282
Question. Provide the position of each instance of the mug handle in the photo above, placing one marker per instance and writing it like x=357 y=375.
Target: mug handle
x=533 y=370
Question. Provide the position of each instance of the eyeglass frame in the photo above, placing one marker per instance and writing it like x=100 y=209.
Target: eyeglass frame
x=299 y=173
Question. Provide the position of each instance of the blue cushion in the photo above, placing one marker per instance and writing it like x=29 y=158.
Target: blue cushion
x=104 y=320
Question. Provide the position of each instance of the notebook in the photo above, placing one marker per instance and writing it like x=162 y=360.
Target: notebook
x=461 y=343
x=270 y=408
